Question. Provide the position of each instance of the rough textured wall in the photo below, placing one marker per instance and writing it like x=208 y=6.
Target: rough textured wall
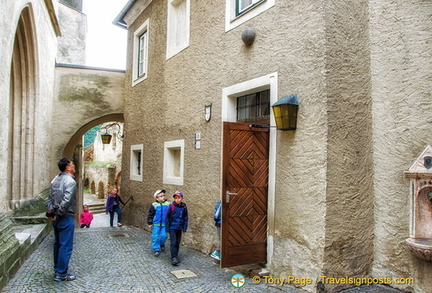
x=169 y=105
x=299 y=48
x=83 y=95
x=349 y=198
x=324 y=215
x=72 y=43
x=401 y=86
x=45 y=44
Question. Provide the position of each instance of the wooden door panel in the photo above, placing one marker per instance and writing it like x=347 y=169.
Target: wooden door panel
x=244 y=212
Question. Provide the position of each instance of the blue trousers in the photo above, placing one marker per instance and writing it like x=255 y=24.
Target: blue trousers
x=175 y=238
x=118 y=211
x=159 y=236
x=63 y=244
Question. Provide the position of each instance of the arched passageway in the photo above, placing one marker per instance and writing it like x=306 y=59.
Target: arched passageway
x=73 y=149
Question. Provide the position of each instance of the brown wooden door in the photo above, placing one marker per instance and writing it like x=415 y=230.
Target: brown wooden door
x=244 y=197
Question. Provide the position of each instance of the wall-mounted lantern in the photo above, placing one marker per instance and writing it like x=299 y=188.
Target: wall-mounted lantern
x=208 y=112
x=106 y=137
x=285 y=112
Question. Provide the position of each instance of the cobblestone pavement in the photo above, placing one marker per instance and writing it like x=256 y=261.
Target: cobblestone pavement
x=120 y=260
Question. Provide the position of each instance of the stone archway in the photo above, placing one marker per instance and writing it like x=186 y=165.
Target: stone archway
x=73 y=149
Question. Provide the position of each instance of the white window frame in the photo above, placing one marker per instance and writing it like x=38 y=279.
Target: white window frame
x=178 y=26
x=173 y=169
x=232 y=20
x=140 y=53
x=136 y=150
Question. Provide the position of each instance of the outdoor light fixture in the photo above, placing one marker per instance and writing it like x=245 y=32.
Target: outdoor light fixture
x=208 y=112
x=285 y=112
x=106 y=137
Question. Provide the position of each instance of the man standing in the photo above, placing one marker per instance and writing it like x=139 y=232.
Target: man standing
x=61 y=205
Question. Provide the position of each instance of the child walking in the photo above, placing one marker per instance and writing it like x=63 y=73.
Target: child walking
x=156 y=220
x=176 y=223
x=113 y=206
x=86 y=217
x=217 y=216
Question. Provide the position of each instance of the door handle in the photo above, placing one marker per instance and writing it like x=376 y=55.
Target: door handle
x=228 y=195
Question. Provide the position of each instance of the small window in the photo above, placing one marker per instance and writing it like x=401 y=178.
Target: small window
x=178 y=26
x=254 y=107
x=140 y=53
x=173 y=162
x=244 y=5
x=136 y=162
x=241 y=11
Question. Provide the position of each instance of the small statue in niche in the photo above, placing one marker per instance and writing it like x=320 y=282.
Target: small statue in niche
x=430 y=196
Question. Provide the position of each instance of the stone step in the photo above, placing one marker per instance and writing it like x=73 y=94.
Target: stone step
x=97 y=208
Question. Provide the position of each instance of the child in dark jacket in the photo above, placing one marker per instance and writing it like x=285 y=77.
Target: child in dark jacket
x=176 y=223
x=156 y=220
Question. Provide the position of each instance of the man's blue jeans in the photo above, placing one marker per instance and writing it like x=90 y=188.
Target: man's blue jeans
x=63 y=244
x=159 y=236
x=118 y=211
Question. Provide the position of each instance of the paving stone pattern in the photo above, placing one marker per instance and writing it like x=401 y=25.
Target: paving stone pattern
x=120 y=260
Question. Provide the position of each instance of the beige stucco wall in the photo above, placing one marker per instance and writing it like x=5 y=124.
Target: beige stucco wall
x=72 y=43
x=169 y=105
x=360 y=68
x=401 y=85
x=87 y=97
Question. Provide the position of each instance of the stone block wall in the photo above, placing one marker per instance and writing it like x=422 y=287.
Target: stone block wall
x=101 y=179
x=12 y=253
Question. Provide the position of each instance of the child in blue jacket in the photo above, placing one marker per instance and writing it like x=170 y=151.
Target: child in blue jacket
x=156 y=220
x=176 y=223
x=217 y=216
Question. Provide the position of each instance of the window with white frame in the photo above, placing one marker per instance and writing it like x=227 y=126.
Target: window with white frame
x=178 y=26
x=136 y=162
x=140 y=53
x=244 y=5
x=240 y=11
x=173 y=162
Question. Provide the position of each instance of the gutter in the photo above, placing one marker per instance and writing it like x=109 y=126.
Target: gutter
x=119 y=21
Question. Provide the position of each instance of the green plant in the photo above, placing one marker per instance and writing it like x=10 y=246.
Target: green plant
x=99 y=164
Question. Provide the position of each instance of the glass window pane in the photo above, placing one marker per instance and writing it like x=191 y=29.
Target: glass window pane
x=254 y=107
x=141 y=54
x=243 y=5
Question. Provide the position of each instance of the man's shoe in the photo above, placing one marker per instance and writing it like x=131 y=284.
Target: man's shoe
x=157 y=253
x=67 y=277
x=162 y=247
x=119 y=225
x=175 y=261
